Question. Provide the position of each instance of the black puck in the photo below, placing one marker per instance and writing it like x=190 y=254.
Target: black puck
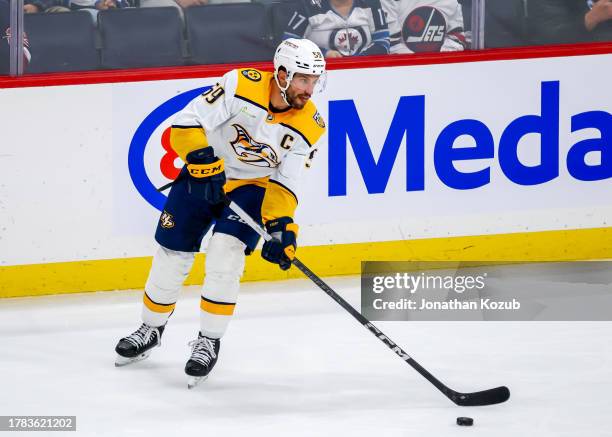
x=465 y=421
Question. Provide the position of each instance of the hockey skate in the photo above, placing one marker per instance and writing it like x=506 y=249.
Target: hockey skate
x=138 y=345
x=204 y=352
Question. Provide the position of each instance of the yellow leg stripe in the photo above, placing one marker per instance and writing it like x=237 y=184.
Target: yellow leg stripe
x=218 y=308
x=157 y=307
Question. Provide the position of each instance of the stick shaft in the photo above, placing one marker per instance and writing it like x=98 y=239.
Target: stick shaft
x=343 y=303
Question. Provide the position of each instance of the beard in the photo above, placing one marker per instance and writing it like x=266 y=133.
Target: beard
x=296 y=100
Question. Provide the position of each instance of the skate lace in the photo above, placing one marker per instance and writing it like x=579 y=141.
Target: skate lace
x=141 y=336
x=202 y=350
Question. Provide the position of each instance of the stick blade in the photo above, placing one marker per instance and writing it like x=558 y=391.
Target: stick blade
x=492 y=396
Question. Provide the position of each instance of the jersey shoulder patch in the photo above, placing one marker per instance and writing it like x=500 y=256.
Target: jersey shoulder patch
x=251 y=74
x=254 y=86
x=318 y=118
x=308 y=122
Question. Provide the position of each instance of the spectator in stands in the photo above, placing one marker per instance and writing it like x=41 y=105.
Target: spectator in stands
x=177 y=3
x=50 y=6
x=5 y=39
x=505 y=23
x=93 y=6
x=425 y=25
x=341 y=27
x=569 y=21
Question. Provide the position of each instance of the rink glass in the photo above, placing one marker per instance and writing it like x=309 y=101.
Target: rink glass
x=123 y=34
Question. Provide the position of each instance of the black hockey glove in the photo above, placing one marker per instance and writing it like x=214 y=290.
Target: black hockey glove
x=281 y=249
x=206 y=175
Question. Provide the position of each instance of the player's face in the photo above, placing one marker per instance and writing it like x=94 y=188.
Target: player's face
x=300 y=89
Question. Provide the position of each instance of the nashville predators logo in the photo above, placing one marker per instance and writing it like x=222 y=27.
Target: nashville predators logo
x=166 y=220
x=319 y=120
x=252 y=152
x=253 y=75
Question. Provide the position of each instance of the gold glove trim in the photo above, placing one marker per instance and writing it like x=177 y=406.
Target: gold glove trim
x=293 y=227
x=290 y=252
x=206 y=170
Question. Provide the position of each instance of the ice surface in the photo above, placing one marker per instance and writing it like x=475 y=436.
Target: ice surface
x=294 y=363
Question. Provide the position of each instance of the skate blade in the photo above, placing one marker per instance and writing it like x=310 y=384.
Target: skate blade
x=123 y=361
x=195 y=380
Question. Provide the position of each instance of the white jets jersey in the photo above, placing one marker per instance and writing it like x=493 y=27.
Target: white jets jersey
x=425 y=25
x=363 y=32
x=258 y=145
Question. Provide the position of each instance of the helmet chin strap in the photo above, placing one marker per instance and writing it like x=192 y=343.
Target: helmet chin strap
x=284 y=96
x=283 y=91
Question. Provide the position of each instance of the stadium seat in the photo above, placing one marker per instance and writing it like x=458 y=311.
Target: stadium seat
x=61 y=42
x=228 y=33
x=147 y=37
x=281 y=13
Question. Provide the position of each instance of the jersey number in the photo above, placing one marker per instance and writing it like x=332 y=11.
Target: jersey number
x=308 y=162
x=296 y=20
x=213 y=94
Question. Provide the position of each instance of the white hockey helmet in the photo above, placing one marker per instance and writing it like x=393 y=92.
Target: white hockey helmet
x=299 y=56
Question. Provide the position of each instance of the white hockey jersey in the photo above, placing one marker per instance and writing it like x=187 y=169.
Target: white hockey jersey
x=363 y=32
x=418 y=26
x=258 y=146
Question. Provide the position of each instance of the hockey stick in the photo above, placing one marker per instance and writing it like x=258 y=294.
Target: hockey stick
x=486 y=397
x=168 y=185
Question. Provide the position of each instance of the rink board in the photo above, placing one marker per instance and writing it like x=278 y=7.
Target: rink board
x=79 y=208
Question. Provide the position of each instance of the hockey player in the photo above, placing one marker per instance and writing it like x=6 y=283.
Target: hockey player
x=341 y=27
x=418 y=26
x=249 y=137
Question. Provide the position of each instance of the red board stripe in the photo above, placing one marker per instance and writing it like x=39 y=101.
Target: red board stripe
x=170 y=73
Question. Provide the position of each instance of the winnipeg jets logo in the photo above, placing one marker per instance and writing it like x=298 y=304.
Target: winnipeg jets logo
x=348 y=41
x=252 y=152
x=424 y=30
x=166 y=220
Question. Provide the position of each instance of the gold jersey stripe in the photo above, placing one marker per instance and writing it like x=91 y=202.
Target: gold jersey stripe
x=255 y=91
x=187 y=139
x=232 y=184
x=303 y=122
x=279 y=201
x=254 y=86
x=218 y=308
x=157 y=307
